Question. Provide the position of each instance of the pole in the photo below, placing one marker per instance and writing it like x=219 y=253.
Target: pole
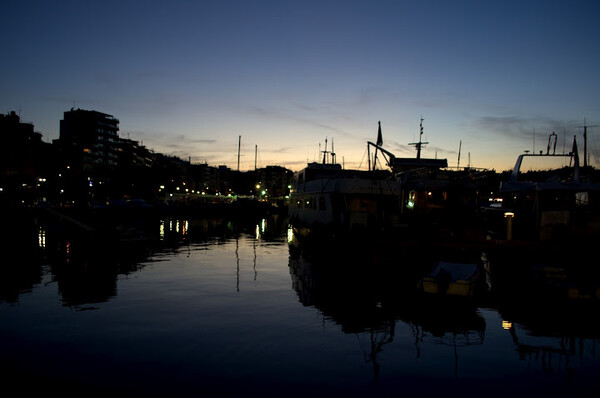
x=585 y=154
x=255 y=152
x=584 y=144
x=239 y=144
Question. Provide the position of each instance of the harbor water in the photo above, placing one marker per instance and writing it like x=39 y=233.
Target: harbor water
x=218 y=307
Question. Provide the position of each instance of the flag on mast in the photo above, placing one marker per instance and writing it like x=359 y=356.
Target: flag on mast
x=575 y=150
x=379 y=136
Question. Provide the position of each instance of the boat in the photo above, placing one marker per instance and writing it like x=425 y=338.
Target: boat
x=327 y=197
x=454 y=279
x=555 y=204
x=436 y=199
x=416 y=197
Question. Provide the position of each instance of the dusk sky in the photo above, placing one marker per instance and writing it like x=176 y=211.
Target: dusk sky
x=187 y=78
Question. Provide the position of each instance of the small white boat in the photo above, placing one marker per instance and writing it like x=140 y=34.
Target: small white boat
x=455 y=279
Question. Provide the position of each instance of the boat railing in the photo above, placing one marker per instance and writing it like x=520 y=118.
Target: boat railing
x=573 y=155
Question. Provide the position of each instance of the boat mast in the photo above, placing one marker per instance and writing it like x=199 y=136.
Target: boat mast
x=419 y=144
x=379 y=143
x=332 y=152
x=326 y=152
x=585 y=154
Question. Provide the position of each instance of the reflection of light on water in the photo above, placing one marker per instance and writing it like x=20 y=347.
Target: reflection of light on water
x=260 y=229
x=42 y=237
x=68 y=250
x=506 y=325
x=290 y=234
x=181 y=227
x=184 y=227
x=177 y=226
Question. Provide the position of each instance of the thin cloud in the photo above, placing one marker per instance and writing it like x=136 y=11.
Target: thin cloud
x=520 y=127
x=277 y=114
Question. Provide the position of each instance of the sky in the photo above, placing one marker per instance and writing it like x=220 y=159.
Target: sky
x=276 y=79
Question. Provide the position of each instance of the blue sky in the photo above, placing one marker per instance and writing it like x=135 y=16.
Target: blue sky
x=189 y=77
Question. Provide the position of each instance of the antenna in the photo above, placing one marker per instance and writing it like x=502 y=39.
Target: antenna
x=319 y=151
x=325 y=152
x=459 y=148
x=419 y=144
x=332 y=152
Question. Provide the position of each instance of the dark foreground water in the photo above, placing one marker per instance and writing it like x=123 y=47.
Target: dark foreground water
x=223 y=308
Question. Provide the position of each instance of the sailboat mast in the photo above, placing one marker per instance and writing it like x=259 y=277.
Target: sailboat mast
x=239 y=145
x=585 y=153
x=420 y=136
x=584 y=144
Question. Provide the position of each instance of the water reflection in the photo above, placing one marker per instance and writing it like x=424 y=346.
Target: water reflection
x=215 y=301
x=87 y=267
x=546 y=300
x=368 y=298
x=348 y=293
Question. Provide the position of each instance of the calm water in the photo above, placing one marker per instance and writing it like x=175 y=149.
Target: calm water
x=222 y=308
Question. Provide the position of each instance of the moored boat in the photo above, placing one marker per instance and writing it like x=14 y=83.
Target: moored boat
x=454 y=279
x=555 y=204
x=326 y=196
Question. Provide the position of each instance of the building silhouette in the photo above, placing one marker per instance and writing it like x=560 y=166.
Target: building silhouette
x=90 y=165
x=89 y=140
x=88 y=149
x=23 y=161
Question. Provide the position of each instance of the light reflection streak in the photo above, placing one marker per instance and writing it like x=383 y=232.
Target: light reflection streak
x=42 y=237
x=68 y=251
